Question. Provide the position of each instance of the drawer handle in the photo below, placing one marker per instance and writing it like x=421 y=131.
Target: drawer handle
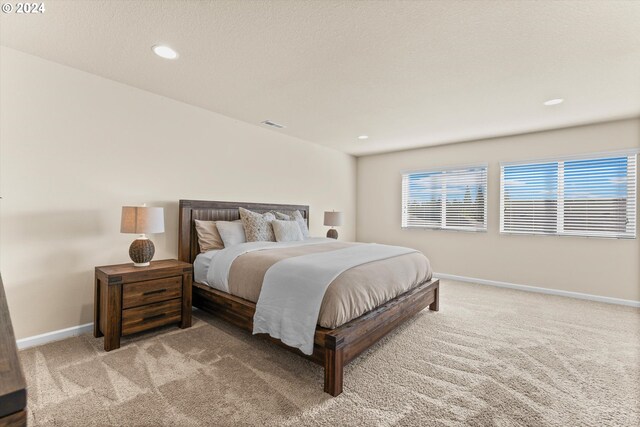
x=157 y=291
x=157 y=316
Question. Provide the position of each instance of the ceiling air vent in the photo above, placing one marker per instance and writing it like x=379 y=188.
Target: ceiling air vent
x=273 y=124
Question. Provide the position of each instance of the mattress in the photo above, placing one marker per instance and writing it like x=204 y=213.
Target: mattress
x=353 y=293
x=201 y=265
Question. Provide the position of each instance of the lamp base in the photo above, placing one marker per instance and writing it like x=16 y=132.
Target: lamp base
x=141 y=264
x=332 y=233
x=141 y=252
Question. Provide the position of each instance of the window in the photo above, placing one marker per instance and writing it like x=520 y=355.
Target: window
x=451 y=199
x=588 y=196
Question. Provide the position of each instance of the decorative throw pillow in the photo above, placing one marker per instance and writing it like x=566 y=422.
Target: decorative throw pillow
x=231 y=232
x=208 y=236
x=297 y=216
x=257 y=227
x=286 y=231
x=283 y=217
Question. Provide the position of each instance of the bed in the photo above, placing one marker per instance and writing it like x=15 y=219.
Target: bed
x=332 y=348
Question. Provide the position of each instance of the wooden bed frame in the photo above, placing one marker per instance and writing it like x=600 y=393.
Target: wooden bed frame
x=333 y=348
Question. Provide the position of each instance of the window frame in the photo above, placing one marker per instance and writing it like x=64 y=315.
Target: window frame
x=560 y=202
x=443 y=216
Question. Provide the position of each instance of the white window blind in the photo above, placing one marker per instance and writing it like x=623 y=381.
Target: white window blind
x=446 y=199
x=587 y=196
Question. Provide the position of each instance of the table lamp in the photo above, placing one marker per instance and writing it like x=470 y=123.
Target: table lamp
x=333 y=219
x=142 y=220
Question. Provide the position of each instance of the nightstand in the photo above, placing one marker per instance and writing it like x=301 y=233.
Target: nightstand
x=130 y=299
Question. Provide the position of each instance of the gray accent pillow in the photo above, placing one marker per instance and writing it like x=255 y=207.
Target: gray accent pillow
x=286 y=231
x=283 y=217
x=208 y=236
x=231 y=232
x=295 y=216
x=257 y=227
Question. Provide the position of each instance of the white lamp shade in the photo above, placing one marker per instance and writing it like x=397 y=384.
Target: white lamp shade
x=333 y=219
x=142 y=220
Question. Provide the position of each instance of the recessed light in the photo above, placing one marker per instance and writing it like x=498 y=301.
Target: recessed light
x=363 y=137
x=554 y=101
x=164 y=52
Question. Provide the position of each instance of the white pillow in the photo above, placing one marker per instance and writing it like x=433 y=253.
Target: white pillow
x=231 y=232
x=297 y=216
x=287 y=231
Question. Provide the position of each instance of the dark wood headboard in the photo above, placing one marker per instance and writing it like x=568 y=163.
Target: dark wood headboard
x=218 y=211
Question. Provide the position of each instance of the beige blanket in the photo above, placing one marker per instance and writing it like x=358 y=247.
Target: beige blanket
x=353 y=293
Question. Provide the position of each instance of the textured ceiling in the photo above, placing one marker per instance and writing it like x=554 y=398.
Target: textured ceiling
x=407 y=74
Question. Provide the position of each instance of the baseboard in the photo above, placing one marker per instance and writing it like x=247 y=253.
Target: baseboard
x=61 y=334
x=578 y=295
x=53 y=336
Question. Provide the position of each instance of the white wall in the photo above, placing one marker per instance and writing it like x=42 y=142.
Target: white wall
x=605 y=267
x=75 y=147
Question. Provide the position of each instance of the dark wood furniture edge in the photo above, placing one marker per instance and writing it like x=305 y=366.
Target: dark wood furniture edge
x=187 y=297
x=17 y=419
x=13 y=386
x=333 y=348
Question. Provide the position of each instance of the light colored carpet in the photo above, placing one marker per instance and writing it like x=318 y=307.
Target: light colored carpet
x=490 y=357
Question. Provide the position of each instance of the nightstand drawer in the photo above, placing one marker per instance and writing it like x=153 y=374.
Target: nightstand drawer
x=150 y=291
x=152 y=315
